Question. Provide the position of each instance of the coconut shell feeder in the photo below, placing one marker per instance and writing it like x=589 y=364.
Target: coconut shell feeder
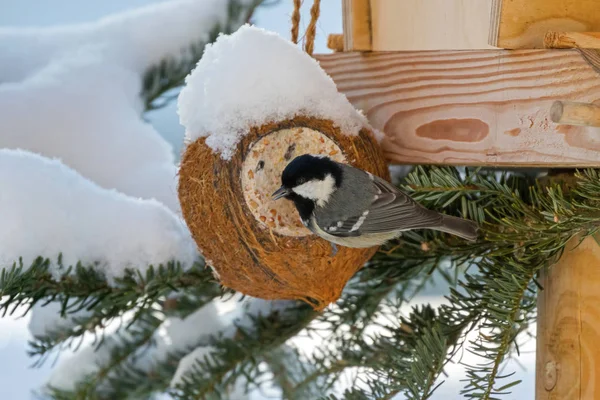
x=255 y=245
x=258 y=246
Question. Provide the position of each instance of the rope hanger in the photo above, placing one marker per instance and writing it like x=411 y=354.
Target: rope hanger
x=311 y=29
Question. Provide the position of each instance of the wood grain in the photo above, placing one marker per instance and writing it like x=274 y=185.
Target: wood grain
x=430 y=24
x=572 y=40
x=357 y=25
x=568 y=326
x=472 y=107
x=523 y=23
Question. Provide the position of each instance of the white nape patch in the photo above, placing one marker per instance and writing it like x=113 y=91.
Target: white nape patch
x=317 y=190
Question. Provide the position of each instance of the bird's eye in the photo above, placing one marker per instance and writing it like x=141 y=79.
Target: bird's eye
x=301 y=181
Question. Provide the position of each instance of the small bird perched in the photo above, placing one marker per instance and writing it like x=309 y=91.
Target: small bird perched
x=353 y=208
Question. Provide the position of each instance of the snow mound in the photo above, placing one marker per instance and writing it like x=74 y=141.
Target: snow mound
x=136 y=39
x=254 y=76
x=47 y=209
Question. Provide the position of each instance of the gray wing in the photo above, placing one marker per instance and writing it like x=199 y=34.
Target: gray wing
x=390 y=210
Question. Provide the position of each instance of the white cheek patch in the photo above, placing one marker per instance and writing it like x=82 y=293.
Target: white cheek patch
x=317 y=190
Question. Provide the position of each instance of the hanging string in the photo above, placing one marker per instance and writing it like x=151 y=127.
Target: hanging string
x=296 y=21
x=311 y=30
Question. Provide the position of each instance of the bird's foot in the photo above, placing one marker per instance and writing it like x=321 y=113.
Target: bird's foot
x=334 y=249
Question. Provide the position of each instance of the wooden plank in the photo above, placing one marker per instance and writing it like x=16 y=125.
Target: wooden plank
x=572 y=40
x=523 y=23
x=399 y=25
x=357 y=25
x=568 y=326
x=472 y=107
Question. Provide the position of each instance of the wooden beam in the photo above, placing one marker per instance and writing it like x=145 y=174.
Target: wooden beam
x=572 y=40
x=399 y=25
x=357 y=25
x=568 y=326
x=473 y=107
x=524 y=23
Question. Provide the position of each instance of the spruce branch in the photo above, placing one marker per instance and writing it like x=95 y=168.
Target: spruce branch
x=295 y=375
x=525 y=227
x=82 y=287
x=238 y=353
x=117 y=348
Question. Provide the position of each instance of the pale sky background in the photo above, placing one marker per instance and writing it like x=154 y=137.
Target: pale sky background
x=17 y=377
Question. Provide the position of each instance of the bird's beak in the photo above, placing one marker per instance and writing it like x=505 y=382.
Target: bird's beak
x=279 y=193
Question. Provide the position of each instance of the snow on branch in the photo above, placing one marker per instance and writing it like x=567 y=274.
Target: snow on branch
x=48 y=210
x=74 y=92
x=86 y=112
x=135 y=39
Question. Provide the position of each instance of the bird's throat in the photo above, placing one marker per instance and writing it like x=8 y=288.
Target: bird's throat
x=304 y=206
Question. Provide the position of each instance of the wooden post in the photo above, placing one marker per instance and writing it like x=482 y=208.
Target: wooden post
x=568 y=326
x=357 y=25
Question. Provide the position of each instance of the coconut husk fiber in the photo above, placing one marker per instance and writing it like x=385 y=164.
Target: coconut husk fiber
x=247 y=256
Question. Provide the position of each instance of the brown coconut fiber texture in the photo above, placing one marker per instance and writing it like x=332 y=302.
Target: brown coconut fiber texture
x=254 y=260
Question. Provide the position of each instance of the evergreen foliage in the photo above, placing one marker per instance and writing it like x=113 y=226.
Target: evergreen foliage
x=526 y=224
x=367 y=337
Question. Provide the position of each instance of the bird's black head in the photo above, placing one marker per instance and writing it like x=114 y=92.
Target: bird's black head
x=317 y=174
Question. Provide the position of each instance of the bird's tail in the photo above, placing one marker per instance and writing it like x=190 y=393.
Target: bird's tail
x=461 y=227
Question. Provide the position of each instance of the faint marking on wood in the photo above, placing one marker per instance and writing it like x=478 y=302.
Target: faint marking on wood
x=572 y=40
x=406 y=94
x=430 y=24
x=513 y=132
x=357 y=25
x=568 y=326
x=523 y=23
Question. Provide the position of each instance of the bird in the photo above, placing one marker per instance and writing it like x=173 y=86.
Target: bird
x=351 y=207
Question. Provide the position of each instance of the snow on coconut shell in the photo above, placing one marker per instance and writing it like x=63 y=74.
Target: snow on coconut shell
x=258 y=246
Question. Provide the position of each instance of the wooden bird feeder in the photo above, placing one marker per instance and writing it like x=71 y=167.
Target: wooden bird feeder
x=512 y=83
